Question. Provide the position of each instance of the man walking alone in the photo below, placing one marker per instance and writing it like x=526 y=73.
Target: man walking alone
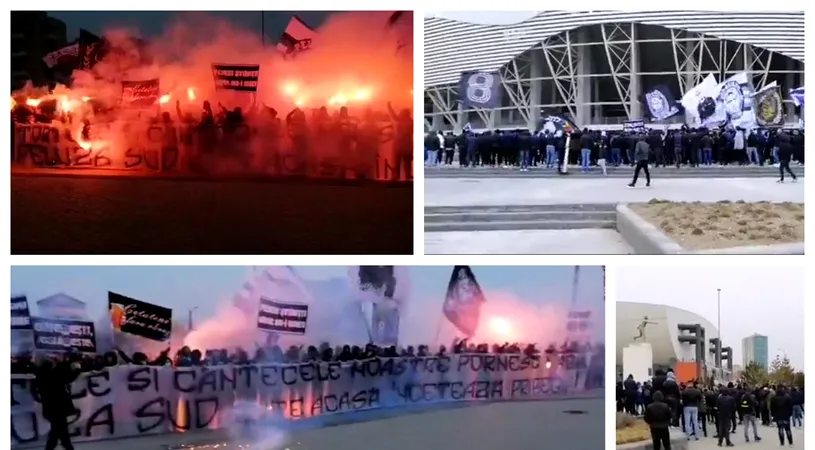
x=641 y=154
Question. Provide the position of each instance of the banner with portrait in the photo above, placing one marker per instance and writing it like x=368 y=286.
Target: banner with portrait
x=700 y=102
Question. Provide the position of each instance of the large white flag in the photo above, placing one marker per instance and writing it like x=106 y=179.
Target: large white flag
x=700 y=102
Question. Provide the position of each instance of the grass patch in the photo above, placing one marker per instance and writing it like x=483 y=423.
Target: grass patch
x=631 y=429
x=724 y=224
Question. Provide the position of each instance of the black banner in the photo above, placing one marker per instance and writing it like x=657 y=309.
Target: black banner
x=64 y=335
x=20 y=316
x=92 y=49
x=282 y=317
x=132 y=316
x=236 y=77
x=377 y=277
x=660 y=102
x=140 y=93
x=480 y=90
x=296 y=38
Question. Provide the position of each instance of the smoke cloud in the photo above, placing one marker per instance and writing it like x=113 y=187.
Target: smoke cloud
x=353 y=61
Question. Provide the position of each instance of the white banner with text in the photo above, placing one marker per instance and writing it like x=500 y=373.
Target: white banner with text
x=135 y=400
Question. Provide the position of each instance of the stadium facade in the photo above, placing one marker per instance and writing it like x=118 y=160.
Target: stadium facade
x=593 y=66
x=675 y=335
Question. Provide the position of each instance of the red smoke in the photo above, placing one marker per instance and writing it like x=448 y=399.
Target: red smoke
x=353 y=61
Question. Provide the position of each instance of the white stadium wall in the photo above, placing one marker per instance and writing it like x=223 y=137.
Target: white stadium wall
x=662 y=334
x=594 y=65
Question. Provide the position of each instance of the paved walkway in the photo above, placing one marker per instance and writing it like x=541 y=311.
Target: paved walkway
x=472 y=192
x=573 y=424
x=769 y=440
x=559 y=242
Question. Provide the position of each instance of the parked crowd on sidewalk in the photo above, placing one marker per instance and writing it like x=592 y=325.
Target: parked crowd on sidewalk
x=664 y=402
x=523 y=149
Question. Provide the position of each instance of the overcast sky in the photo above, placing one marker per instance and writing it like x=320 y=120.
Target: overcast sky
x=763 y=300
x=523 y=291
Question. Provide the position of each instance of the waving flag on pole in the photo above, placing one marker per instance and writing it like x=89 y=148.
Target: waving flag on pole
x=402 y=23
x=462 y=304
x=297 y=37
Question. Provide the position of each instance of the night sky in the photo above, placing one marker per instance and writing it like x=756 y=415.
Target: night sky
x=153 y=23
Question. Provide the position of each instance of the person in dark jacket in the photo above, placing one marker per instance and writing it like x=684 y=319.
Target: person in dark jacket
x=630 y=389
x=672 y=393
x=711 y=397
x=781 y=410
x=641 y=153
x=785 y=155
x=748 y=408
x=586 y=145
x=691 y=400
x=797 y=397
x=52 y=388
x=658 y=416
x=725 y=406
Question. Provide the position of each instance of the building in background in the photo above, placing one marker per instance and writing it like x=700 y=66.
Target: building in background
x=595 y=66
x=61 y=306
x=755 y=349
x=33 y=35
x=679 y=339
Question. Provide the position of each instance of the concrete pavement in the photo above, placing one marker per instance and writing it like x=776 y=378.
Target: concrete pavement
x=768 y=435
x=477 y=192
x=518 y=242
x=572 y=424
x=612 y=172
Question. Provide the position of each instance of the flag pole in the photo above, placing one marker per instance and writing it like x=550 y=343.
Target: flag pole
x=438 y=330
x=263 y=28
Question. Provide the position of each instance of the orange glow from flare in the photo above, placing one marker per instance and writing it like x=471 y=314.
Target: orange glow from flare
x=290 y=89
x=164 y=99
x=33 y=102
x=362 y=95
x=501 y=327
x=13 y=104
x=338 y=99
x=548 y=364
x=190 y=93
x=86 y=99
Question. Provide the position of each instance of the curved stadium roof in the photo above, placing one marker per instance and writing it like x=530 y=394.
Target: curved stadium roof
x=452 y=47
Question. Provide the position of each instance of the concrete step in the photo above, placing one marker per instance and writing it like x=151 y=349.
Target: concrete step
x=566 y=207
x=519 y=216
x=520 y=225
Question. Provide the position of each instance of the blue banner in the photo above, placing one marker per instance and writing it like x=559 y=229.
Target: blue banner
x=661 y=103
x=480 y=90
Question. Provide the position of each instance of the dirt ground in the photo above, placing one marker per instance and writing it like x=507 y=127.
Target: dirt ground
x=703 y=226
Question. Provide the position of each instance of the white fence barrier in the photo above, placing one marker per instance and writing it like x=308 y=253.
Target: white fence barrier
x=136 y=400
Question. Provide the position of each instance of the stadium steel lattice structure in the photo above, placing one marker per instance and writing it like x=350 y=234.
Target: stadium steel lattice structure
x=594 y=65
